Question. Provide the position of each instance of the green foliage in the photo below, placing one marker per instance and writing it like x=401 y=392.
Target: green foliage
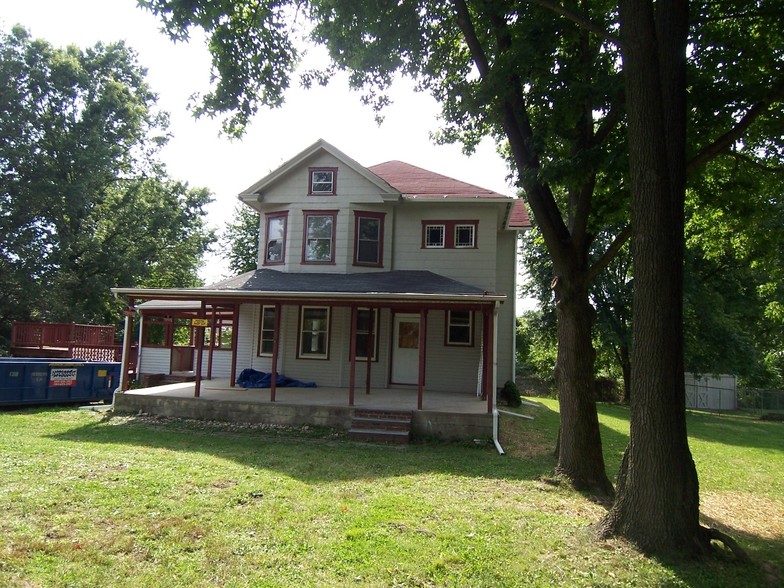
x=240 y=240
x=84 y=203
x=536 y=344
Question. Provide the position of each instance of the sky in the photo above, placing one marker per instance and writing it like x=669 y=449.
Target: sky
x=200 y=156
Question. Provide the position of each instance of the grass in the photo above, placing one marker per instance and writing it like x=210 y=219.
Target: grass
x=89 y=499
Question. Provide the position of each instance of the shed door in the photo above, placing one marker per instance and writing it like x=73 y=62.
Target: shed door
x=405 y=349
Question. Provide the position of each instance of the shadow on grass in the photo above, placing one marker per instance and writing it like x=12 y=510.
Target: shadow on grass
x=305 y=453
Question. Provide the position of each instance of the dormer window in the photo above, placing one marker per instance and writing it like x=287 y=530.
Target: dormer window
x=323 y=181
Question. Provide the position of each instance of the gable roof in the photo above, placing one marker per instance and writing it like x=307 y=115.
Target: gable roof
x=253 y=193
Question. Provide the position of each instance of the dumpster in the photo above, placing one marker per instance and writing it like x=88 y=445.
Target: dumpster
x=29 y=381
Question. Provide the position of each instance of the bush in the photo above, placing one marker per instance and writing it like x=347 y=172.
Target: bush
x=511 y=395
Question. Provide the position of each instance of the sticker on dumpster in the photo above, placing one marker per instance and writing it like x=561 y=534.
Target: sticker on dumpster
x=62 y=377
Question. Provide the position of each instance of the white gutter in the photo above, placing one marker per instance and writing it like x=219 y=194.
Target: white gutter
x=494 y=391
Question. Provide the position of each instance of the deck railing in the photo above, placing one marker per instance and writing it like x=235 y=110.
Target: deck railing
x=42 y=335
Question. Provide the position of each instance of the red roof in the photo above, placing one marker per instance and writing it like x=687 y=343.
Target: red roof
x=413 y=181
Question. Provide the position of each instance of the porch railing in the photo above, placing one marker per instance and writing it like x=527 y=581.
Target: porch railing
x=42 y=335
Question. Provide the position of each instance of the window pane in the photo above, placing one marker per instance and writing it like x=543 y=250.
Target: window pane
x=315 y=331
x=319 y=238
x=276 y=229
x=464 y=236
x=322 y=181
x=267 y=330
x=368 y=236
x=434 y=236
x=459 y=327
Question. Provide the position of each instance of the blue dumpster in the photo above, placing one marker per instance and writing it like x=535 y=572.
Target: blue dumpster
x=25 y=381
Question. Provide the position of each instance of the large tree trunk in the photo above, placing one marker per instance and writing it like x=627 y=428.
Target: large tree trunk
x=657 y=501
x=580 y=456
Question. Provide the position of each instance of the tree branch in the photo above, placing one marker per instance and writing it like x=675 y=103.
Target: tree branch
x=610 y=253
x=734 y=134
x=580 y=21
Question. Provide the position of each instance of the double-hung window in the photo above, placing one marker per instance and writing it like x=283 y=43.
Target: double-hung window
x=314 y=332
x=319 y=238
x=266 y=331
x=367 y=333
x=322 y=181
x=368 y=238
x=459 y=328
x=275 y=250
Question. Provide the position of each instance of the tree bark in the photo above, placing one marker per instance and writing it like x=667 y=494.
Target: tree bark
x=657 y=501
x=579 y=456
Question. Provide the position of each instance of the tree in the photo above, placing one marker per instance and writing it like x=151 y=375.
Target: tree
x=84 y=203
x=240 y=240
x=545 y=80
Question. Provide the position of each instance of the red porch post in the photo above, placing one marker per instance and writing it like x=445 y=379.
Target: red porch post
x=488 y=328
x=235 y=321
x=422 y=355
x=370 y=346
x=352 y=356
x=275 y=349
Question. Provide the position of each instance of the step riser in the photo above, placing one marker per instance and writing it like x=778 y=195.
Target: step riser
x=381 y=426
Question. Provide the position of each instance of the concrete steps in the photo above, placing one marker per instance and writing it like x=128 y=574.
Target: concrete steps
x=385 y=426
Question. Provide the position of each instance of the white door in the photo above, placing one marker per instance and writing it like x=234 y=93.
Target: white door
x=405 y=349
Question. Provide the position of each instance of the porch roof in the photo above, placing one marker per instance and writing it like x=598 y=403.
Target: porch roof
x=408 y=285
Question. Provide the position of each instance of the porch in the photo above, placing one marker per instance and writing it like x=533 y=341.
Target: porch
x=444 y=415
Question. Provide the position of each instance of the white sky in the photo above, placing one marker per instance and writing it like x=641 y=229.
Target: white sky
x=198 y=155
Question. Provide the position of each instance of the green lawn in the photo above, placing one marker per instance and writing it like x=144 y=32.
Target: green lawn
x=93 y=500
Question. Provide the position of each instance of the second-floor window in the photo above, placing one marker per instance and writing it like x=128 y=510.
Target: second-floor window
x=319 y=245
x=323 y=181
x=368 y=238
x=450 y=234
x=275 y=250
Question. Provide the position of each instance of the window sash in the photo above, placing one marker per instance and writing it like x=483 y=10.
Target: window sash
x=266 y=331
x=319 y=238
x=368 y=240
x=314 y=332
x=464 y=236
x=322 y=181
x=276 y=239
x=434 y=236
x=364 y=318
x=460 y=328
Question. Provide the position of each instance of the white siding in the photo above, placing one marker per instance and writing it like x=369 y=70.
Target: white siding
x=506 y=272
x=155 y=360
x=476 y=267
x=451 y=368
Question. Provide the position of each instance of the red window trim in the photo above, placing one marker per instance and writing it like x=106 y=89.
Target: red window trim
x=305 y=215
x=449 y=233
x=334 y=171
x=267 y=217
x=380 y=216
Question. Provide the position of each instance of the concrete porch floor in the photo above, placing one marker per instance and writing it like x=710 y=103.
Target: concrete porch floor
x=443 y=414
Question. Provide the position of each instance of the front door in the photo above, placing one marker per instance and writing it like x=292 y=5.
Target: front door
x=405 y=349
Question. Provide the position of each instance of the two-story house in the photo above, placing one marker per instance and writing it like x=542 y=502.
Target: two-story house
x=369 y=278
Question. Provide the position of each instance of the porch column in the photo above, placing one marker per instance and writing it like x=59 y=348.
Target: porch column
x=235 y=321
x=352 y=355
x=199 y=349
x=370 y=346
x=126 y=348
x=422 y=355
x=275 y=349
x=488 y=335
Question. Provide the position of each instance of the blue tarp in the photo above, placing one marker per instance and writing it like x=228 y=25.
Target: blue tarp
x=250 y=378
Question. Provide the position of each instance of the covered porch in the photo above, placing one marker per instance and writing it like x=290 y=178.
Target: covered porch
x=443 y=414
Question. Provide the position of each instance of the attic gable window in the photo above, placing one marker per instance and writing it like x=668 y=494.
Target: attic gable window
x=322 y=181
